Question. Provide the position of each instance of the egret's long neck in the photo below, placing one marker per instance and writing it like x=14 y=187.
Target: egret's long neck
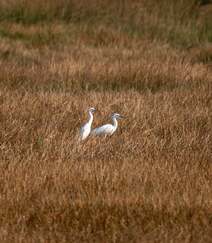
x=90 y=120
x=115 y=122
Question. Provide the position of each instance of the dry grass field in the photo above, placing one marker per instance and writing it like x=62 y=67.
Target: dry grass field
x=148 y=60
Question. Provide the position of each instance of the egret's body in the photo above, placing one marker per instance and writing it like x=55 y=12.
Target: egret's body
x=107 y=129
x=86 y=129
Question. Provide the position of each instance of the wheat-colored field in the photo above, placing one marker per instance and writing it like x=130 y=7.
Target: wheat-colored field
x=147 y=60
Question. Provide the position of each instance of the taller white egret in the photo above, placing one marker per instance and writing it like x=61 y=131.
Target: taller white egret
x=107 y=129
x=86 y=128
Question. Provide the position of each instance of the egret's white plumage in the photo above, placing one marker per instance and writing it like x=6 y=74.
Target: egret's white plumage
x=86 y=129
x=107 y=129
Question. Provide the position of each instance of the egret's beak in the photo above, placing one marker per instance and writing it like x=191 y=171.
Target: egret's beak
x=122 y=116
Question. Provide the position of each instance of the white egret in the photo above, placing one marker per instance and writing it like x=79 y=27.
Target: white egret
x=86 y=128
x=107 y=129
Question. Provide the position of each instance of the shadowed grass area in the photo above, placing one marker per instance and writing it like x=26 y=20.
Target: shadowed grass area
x=99 y=69
x=168 y=21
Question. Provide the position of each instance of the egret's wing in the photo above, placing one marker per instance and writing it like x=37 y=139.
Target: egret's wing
x=105 y=129
x=84 y=132
x=82 y=129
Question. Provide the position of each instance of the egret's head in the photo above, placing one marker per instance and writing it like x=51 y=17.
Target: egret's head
x=117 y=116
x=92 y=110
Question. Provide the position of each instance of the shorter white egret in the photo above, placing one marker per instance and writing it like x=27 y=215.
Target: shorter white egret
x=107 y=129
x=86 y=128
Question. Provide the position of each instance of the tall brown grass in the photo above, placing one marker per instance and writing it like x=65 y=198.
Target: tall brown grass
x=151 y=181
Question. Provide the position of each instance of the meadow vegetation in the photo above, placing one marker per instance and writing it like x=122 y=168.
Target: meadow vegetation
x=147 y=60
